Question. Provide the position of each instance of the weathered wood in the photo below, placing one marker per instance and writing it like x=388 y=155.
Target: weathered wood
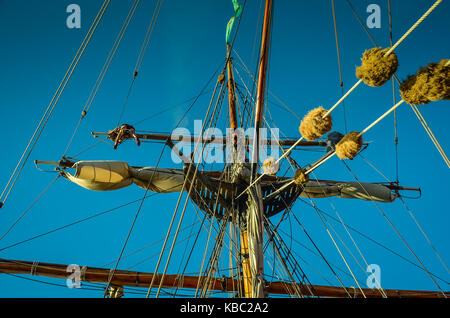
x=141 y=279
x=223 y=141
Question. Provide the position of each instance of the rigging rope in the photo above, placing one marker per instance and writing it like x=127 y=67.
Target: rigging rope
x=393 y=98
x=341 y=82
x=413 y=107
x=103 y=71
x=132 y=224
x=353 y=241
x=337 y=247
x=29 y=208
x=412 y=216
x=195 y=172
x=358 y=83
x=430 y=134
x=396 y=231
x=191 y=185
x=50 y=108
x=180 y=196
x=141 y=54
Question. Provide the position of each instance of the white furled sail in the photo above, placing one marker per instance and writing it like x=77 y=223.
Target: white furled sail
x=113 y=175
x=255 y=241
x=348 y=190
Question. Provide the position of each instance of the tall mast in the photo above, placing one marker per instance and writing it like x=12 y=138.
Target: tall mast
x=262 y=70
x=255 y=211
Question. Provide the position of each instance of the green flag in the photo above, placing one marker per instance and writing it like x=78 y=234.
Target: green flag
x=237 y=13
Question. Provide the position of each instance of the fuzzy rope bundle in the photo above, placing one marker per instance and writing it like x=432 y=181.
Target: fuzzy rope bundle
x=300 y=177
x=376 y=68
x=313 y=125
x=430 y=83
x=270 y=166
x=349 y=146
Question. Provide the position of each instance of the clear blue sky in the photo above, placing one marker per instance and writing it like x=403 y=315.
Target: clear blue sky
x=187 y=46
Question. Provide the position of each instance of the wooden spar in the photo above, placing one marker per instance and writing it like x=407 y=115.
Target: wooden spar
x=263 y=62
x=255 y=236
x=140 y=279
x=216 y=140
x=246 y=273
x=261 y=83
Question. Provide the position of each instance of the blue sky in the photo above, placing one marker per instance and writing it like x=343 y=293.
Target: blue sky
x=187 y=46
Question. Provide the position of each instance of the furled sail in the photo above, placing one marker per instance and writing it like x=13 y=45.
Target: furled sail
x=348 y=190
x=113 y=175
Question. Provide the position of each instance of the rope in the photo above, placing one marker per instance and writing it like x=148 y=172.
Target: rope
x=397 y=232
x=142 y=200
x=353 y=241
x=145 y=247
x=341 y=82
x=179 y=199
x=381 y=117
x=393 y=97
x=386 y=54
x=141 y=54
x=288 y=209
x=361 y=22
x=412 y=216
x=317 y=248
x=414 y=107
x=104 y=69
x=29 y=208
x=334 y=152
x=74 y=223
x=50 y=108
x=430 y=134
x=423 y=233
x=423 y=17
x=192 y=249
x=374 y=241
x=190 y=187
x=132 y=224
x=337 y=247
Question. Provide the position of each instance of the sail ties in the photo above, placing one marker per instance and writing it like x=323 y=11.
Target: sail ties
x=122 y=133
x=115 y=292
x=34 y=268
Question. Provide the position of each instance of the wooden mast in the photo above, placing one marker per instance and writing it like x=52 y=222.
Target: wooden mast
x=124 y=278
x=246 y=274
x=256 y=214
